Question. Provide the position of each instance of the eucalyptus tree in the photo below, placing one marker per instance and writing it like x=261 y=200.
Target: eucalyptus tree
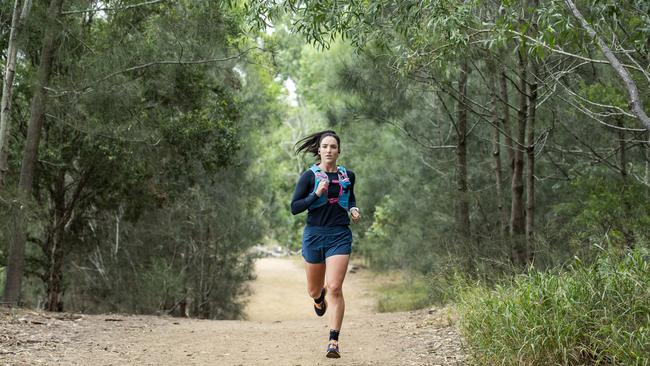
x=131 y=109
x=16 y=259
x=548 y=66
x=18 y=16
x=428 y=41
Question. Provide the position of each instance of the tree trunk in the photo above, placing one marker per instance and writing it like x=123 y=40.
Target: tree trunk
x=17 y=20
x=462 y=204
x=647 y=162
x=506 y=121
x=517 y=224
x=16 y=260
x=530 y=171
x=502 y=216
x=622 y=153
x=64 y=202
x=628 y=234
x=54 y=250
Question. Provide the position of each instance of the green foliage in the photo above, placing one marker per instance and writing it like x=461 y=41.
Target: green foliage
x=406 y=295
x=194 y=251
x=159 y=283
x=605 y=93
x=589 y=314
x=189 y=161
x=397 y=239
x=605 y=211
x=148 y=145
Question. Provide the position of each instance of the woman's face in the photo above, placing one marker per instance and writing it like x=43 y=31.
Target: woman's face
x=329 y=150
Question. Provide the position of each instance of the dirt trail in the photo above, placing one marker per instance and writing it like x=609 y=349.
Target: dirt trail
x=280 y=330
x=280 y=292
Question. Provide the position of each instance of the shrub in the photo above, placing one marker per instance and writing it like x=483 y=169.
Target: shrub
x=594 y=314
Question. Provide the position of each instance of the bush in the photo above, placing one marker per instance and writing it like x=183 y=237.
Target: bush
x=409 y=292
x=603 y=211
x=596 y=314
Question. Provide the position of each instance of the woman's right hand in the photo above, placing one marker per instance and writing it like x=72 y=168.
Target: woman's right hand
x=322 y=187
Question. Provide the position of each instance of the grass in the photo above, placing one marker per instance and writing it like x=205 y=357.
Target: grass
x=592 y=314
x=394 y=291
x=399 y=292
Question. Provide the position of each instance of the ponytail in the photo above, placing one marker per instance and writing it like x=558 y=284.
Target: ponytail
x=312 y=142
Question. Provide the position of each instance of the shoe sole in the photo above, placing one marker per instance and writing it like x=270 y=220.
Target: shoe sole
x=333 y=354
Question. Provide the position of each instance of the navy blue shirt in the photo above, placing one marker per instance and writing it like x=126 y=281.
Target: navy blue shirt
x=328 y=214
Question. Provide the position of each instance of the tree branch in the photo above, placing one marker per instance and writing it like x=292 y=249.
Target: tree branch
x=415 y=139
x=594 y=154
x=154 y=63
x=565 y=53
x=593 y=116
x=172 y=62
x=111 y=9
x=635 y=101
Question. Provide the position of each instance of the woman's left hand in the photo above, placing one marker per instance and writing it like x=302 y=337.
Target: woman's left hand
x=355 y=215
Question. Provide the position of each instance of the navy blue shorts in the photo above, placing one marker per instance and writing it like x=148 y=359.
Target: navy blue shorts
x=320 y=242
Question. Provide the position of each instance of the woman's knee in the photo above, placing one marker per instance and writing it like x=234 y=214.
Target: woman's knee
x=334 y=289
x=314 y=292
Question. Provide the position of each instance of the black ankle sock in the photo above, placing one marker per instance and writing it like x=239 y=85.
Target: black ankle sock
x=321 y=298
x=334 y=335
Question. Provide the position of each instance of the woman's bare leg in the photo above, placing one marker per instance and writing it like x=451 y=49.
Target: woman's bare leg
x=337 y=267
x=315 y=278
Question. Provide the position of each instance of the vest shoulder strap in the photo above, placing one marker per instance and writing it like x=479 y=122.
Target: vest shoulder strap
x=318 y=172
x=343 y=172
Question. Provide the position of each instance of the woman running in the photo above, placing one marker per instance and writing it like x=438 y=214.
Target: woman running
x=327 y=192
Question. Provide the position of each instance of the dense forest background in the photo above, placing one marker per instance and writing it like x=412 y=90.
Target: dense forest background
x=501 y=147
x=147 y=146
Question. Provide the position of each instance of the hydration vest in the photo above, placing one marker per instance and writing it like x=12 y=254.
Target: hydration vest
x=344 y=187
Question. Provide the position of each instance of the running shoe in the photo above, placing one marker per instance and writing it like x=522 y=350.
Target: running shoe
x=333 y=351
x=320 y=311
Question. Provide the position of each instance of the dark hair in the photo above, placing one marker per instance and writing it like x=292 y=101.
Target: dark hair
x=312 y=142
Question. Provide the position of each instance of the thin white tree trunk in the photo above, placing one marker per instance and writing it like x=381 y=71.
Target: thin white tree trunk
x=20 y=12
x=635 y=103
